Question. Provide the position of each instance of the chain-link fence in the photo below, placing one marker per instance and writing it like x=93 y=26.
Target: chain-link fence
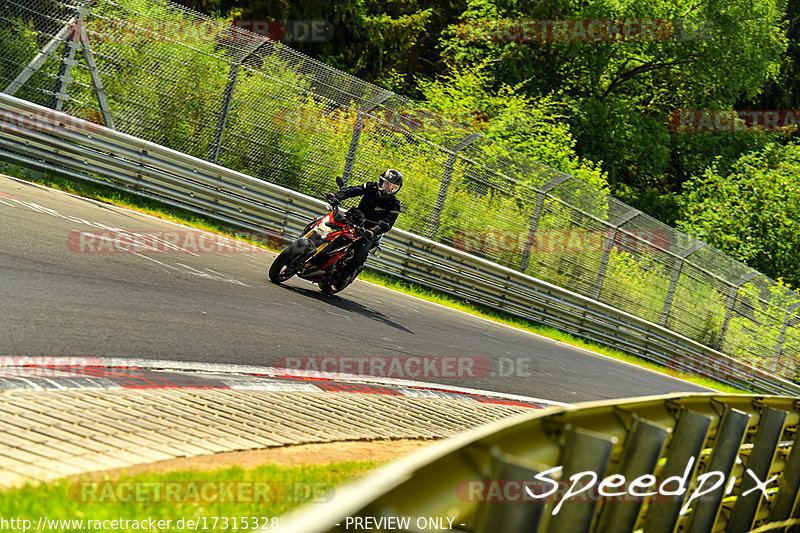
x=159 y=71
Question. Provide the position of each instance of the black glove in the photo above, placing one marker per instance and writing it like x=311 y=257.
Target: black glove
x=369 y=234
x=332 y=199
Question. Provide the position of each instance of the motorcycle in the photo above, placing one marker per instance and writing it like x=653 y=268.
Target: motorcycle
x=321 y=254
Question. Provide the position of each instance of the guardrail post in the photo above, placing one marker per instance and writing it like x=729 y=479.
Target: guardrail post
x=351 y=152
x=784 y=502
x=644 y=445
x=782 y=336
x=727 y=442
x=448 y=172
x=676 y=273
x=686 y=444
x=610 y=240
x=770 y=429
x=729 y=307
x=583 y=451
x=495 y=516
x=537 y=213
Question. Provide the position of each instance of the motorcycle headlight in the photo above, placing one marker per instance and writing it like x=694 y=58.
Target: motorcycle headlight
x=323 y=229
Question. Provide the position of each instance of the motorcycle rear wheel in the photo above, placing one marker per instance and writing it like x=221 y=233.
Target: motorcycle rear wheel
x=329 y=289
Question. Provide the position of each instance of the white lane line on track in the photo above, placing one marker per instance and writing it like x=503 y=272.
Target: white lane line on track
x=155 y=261
x=125 y=210
x=542 y=337
x=219 y=277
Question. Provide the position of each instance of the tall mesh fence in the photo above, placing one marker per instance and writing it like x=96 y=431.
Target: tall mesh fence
x=162 y=72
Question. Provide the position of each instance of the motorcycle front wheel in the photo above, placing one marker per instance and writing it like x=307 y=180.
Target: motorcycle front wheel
x=286 y=265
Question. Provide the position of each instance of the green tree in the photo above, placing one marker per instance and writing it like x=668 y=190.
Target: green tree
x=369 y=39
x=715 y=55
x=534 y=127
x=750 y=213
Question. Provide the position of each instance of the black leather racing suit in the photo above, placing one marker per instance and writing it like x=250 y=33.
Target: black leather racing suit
x=380 y=214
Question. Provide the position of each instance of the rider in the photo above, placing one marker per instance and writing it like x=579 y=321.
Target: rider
x=380 y=209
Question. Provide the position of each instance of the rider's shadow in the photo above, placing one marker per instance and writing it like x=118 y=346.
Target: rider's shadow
x=348 y=305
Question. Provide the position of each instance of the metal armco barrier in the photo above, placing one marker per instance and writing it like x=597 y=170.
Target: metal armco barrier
x=708 y=463
x=88 y=152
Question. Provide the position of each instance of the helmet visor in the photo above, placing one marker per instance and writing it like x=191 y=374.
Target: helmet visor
x=387 y=186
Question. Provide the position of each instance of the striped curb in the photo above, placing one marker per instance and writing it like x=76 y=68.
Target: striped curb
x=58 y=420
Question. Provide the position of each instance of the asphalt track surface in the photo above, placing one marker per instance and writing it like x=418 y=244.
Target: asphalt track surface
x=218 y=307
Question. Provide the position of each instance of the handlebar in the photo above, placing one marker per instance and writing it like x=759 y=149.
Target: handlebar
x=357 y=228
x=335 y=208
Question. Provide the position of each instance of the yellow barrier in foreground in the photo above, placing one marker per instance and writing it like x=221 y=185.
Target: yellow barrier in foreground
x=691 y=463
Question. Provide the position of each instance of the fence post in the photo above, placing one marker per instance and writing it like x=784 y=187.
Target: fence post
x=224 y=110
x=73 y=29
x=609 y=243
x=351 y=152
x=729 y=307
x=64 y=70
x=227 y=99
x=88 y=56
x=36 y=63
x=448 y=172
x=781 y=337
x=537 y=213
x=676 y=273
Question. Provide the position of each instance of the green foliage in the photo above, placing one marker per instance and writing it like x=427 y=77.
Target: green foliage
x=368 y=39
x=608 y=101
x=18 y=46
x=750 y=213
x=62 y=500
x=661 y=206
x=621 y=93
x=534 y=127
x=160 y=89
x=637 y=283
x=698 y=307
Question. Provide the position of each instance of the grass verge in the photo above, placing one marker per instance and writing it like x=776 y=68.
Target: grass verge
x=214 y=500
x=117 y=197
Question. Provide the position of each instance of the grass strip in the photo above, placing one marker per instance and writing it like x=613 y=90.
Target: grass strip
x=214 y=500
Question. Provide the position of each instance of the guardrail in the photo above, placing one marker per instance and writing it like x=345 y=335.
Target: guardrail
x=706 y=463
x=85 y=151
